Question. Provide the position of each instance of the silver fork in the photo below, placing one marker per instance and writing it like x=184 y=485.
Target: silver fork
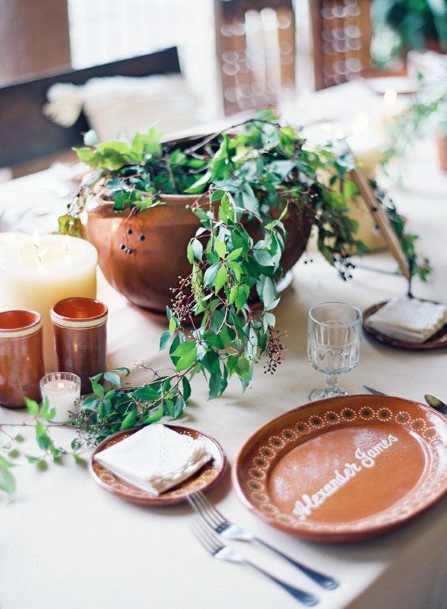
x=217 y=549
x=217 y=521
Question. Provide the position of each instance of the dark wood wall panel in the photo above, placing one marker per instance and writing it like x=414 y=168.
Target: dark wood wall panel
x=34 y=38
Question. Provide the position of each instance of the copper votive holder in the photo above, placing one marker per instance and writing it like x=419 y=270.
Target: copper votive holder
x=21 y=356
x=80 y=337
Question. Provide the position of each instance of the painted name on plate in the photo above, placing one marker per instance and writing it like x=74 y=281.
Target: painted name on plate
x=365 y=459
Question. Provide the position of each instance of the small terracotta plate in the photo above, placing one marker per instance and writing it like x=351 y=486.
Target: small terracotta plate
x=437 y=341
x=345 y=468
x=202 y=480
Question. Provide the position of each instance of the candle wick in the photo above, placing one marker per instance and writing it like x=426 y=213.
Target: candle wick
x=66 y=248
x=40 y=254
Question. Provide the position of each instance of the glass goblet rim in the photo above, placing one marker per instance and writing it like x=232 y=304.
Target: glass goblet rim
x=346 y=305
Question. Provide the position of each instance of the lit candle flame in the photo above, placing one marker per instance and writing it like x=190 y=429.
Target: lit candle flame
x=61 y=386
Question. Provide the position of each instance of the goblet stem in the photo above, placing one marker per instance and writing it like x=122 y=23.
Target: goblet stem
x=331 y=387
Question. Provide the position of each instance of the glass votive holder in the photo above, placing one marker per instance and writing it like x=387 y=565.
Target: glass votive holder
x=21 y=356
x=80 y=337
x=63 y=392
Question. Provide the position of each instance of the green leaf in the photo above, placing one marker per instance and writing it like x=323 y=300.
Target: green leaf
x=190 y=253
x=184 y=348
x=165 y=339
x=349 y=189
x=130 y=419
x=236 y=269
x=146 y=394
x=32 y=406
x=242 y=296
x=186 y=389
x=172 y=325
x=120 y=201
x=220 y=248
x=154 y=417
x=113 y=378
x=169 y=407
x=233 y=293
x=98 y=389
x=42 y=465
x=90 y=402
x=214 y=340
x=263 y=257
x=268 y=293
x=197 y=248
x=179 y=407
x=7 y=481
x=221 y=278
x=79 y=460
x=200 y=184
x=42 y=437
x=75 y=444
x=235 y=254
x=210 y=275
x=187 y=354
x=243 y=365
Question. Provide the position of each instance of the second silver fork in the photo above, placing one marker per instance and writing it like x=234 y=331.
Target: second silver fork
x=217 y=521
x=218 y=550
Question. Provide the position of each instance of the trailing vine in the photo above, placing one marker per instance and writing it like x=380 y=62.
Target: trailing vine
x=221 y=320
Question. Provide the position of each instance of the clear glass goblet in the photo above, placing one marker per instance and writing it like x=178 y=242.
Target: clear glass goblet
x=333 y=343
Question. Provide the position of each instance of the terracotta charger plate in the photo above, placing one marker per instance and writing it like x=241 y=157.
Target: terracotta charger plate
x=437 y=341
x=345 y=468
x=202 y=480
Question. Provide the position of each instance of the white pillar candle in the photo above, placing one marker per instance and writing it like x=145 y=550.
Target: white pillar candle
x=36 y=272
x=63 y=392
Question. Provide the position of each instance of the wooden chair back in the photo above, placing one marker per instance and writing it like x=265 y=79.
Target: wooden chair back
x=255 y=45
x=341 y=31
x=27 y=134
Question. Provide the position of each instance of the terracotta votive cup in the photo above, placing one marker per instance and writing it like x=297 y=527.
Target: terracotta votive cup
x=80 y=337
x=21 y=357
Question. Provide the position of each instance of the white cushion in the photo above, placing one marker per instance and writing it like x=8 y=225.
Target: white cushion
x=117 y=107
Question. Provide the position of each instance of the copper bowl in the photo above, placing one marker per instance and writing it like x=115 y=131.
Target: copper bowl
x=142 y=255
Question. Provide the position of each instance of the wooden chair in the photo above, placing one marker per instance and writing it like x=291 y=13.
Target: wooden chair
x=28 y=137
x=255 y=45
x=341 y=32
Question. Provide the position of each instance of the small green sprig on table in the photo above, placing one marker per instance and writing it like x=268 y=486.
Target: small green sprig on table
x=11 y=440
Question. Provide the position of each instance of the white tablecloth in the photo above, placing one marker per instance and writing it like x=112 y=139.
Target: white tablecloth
x=66 y=543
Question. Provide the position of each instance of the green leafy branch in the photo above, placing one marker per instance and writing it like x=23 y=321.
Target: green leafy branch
x=113 y=407
x=426 y=113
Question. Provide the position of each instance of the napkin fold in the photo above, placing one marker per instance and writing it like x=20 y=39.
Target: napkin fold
x=155 y=458
x=409 y=319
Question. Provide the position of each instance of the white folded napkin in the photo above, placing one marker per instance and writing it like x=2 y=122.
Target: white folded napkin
x=409 y=319
x=155 y=458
